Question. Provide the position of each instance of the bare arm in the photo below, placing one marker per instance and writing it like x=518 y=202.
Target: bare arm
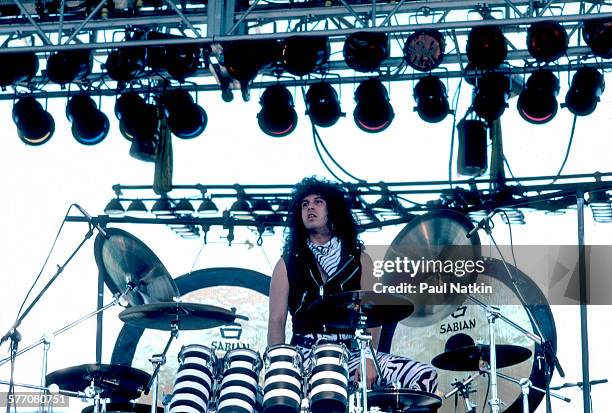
x=279 y=294
x=367 y=283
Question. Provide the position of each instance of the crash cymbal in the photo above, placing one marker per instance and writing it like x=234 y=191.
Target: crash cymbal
x=404 y=400
x=343 y=310
x=188 y=316
x=438 y=235
x=468 y=358
x=123 y=259
x=125 y=407
x=108 y=379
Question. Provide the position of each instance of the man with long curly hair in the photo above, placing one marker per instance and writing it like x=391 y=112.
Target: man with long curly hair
x=323 y=255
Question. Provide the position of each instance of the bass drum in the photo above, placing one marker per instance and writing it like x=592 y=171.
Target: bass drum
x=424 y=343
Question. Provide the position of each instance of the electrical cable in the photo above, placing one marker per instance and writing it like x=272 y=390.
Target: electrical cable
x=567 y=152
x=455 y=104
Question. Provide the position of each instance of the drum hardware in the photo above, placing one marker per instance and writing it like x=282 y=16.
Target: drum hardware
x=52 y=389
x=404 y=401
x=464 y=389
x=158 y=360
x=525 y=385
x=578 y=384
x=469 y=358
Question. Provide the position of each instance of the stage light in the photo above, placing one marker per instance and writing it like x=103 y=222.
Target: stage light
x=546 y=41
x=365 y=51
x=114 y=208
x=277 y=117
x=17 y=67
x=67 y=66
x=35 y=125
x=186 y=119
x=162 y=207
x=472 y=153
x=492 y=92
x=600 y=206
x=137 y=208
x=584 y=92
x=207 y=207
x=537 y=103
x=243 y=59
x=301 y=55
x=597 y=35
x=180 y=61
x=322 y=104
x=184 y=207
x=137 y=119
x=486 y=47
x=424 y=50
x=431 y=99
x=373 y=112
x=89 y=125
x=241 y=209
x=282 y=206
x=262 y=207
x=123 y=65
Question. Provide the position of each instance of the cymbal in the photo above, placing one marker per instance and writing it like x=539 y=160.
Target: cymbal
x=189 y=316
x=124 y=260
x=109 y=380
x=436 y=235
x=404 y=400
x=468 y=358
x=343 y=310
x=125 y=407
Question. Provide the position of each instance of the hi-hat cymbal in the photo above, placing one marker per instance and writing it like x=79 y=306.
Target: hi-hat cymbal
x=468 y=358
x=187 y=316
x=343 y=310
x=109 y=380
x=438 y=235
x=125 y=260
x=404 y=400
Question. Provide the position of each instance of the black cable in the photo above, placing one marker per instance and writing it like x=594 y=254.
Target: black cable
x=44 y=263
x=321 y=157
x=567 y=152
x=455 y=104
x=510 y=233
x=484 y=404
x=509 y=169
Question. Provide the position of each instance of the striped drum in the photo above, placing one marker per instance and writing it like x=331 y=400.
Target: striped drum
x=328 y=380
x=195 y=379
x=283 y=380
x=238 y=390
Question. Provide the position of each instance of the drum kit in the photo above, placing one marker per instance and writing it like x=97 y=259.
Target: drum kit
x=203 y=383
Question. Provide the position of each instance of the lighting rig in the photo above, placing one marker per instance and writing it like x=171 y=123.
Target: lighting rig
x=162 y=54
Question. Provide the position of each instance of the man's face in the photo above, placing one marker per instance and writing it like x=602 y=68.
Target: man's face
x=314 y=212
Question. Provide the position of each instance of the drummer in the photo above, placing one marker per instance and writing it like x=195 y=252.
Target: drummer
x=323 y=254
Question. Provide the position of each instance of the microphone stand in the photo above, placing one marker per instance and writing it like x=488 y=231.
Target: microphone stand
x=494 y=313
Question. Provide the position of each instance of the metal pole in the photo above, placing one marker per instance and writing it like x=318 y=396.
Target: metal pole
x=584 y=297
x=99 y=318
x=494 y=401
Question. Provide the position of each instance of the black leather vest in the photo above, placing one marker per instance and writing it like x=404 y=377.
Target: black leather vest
x=306 y=286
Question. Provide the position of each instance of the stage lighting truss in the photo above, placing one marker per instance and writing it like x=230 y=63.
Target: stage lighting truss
x=374 y=205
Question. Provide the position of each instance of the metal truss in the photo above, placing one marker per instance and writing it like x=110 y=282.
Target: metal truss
x=45 y=26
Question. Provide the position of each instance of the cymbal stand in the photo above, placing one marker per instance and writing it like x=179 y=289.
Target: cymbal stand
x=47 y=339
x=463 y=388
x=365 y=343
x=158 y=360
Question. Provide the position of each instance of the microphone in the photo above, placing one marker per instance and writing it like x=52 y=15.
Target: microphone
x=481 y=224
x=93 y=222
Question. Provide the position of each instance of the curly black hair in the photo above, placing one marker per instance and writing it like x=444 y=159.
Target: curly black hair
x=340 y=218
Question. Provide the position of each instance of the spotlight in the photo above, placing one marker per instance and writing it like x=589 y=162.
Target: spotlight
x=597 y=35
x=137 y=208
x=123 y=65
x=384 y=204
x=373 y=112
x=537 y=103
x=583 y=94
x=186 y=119
x=486 y=47
x=184 y=207
x=431 y=99
x=180 y=61
x=600 y=206
x=35 y=125
x=162 y=207
x=114 y=208
x=262 y=207
x=17 y=67
x=277 y=117
x=207 y=207
x=472 y=155
x=67 y=66
x=302 y=55
x=492 y=92
x=245 y=58
x=322 y=104
x=89 y=125
x=137 y=119
x=365 y=51
x=424 y=50
x=546 y=41
x=241 y=209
